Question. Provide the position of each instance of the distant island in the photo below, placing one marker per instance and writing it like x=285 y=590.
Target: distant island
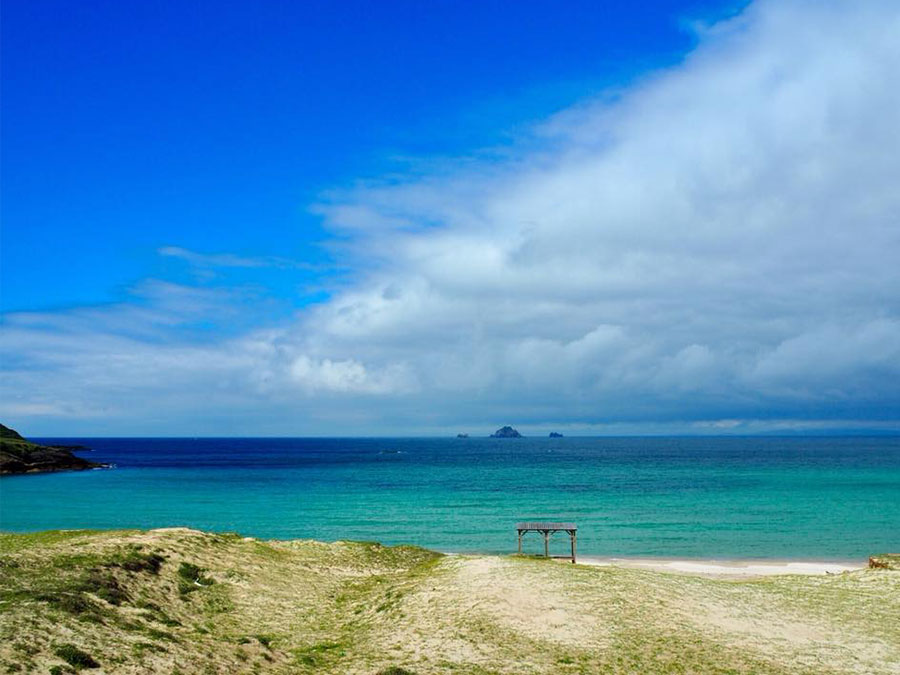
x=18 y=455
x=555 y=434
x=506 y=432
x=462 y=435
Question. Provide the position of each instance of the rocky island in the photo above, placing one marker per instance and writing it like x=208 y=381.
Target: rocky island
x=18 y=455
x=506 y=432
x=555 y=434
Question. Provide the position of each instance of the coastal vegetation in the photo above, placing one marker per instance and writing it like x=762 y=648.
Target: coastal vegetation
x=18 y=455
x=183 y=601
x=887 y=561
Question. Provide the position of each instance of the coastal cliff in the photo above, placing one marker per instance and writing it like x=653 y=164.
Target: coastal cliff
x=18 y=455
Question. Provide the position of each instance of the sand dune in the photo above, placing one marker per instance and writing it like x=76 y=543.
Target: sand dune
x=179 y=600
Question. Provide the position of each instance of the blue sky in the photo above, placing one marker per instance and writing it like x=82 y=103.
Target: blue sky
x=213 y=126
x=358 y=218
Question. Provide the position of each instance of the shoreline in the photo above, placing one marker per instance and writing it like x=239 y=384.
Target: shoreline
x=729 y=567
x=707 y=567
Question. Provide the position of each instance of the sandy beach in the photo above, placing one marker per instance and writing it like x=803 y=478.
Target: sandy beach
x=729 y=568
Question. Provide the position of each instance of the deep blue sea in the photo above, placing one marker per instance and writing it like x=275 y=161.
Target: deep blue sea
x=830 y=498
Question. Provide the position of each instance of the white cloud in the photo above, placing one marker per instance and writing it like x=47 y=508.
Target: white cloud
x=833 y=360
x=210 y=259
x=214 y=260
x=717 y=243
x=348 y=376
x=716 y=219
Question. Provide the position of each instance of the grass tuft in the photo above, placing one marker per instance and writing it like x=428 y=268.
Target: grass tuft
x=265 y=640
x=317 y=654
x=136 y=561
x=191 y=577
x=104 y=585
x=75 y=657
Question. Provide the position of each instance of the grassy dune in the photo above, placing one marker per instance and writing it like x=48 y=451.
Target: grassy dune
x=180 y=601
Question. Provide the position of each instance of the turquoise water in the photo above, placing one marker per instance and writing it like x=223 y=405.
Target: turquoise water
x=696 y=497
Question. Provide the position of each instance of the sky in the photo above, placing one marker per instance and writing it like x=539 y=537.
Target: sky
x=408 y=218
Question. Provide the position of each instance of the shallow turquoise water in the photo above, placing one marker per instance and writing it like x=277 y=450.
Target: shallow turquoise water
x=698 y=497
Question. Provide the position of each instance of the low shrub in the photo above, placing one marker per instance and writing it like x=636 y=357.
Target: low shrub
x=75 y=657
x=135 y=561
x=104 y=585
x=191 y=577
x=72 y=603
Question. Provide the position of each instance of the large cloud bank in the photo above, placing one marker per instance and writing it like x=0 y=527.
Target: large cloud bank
x=715 y=247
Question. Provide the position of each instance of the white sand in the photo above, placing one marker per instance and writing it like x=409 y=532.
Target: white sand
x=728 y=568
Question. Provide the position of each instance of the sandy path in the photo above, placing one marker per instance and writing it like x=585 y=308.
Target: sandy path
x=728 y=568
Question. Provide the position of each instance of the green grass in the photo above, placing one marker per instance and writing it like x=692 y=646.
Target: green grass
x=75 y=657
x=14 y=543
x=192 y=578
x=318 y=654
x=265 y=640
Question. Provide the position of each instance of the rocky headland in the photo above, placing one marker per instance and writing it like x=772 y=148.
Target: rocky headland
x=18 y=455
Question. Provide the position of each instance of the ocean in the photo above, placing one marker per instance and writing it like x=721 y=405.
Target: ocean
x=835 y=498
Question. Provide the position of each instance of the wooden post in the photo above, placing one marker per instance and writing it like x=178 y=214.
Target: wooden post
x=546 y=544
x=572 y=536
x=520 y=541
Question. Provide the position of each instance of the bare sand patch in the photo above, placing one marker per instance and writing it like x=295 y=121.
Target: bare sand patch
x=728 y=568
x=523 y=602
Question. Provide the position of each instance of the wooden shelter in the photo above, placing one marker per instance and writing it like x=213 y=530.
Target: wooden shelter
x=546 y=529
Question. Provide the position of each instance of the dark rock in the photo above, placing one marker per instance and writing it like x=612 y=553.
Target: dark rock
x=18 y=455
x=555 y=434
x=462 y=435
x=506 y=432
